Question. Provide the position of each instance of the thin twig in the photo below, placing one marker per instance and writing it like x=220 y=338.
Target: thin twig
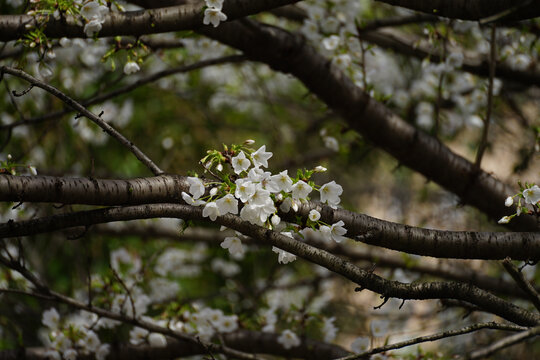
x=507 y=341
x=128 y=293
x=522 y=282
x=82 y=110
x=438 y=336
x=492 y=63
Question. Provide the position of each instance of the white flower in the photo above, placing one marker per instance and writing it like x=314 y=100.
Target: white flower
x=157 y=340
x=288 y=339
x=217 y=4
x=235 y=246
x=331 y=143
x=337 y=231
x=70 y=354
x=213 y=16
x=92 y=27
x=275 y=220
x=103 y=351
x=240 y=163
x=314 y=215
x=260 y=196
x=360 y=345
x=454 y=60
x=331 y=43
x=282 y=181
x=320 y=169
x=509 y=201
x=51 y=318
x=329 y=330
x=91 y=341
x=228 y=324
x=330 y=193
x=131 y=67
x=504 y=220
x=93 y=10
x=211 y=210
x=300 y=190
x=342 y=61
x=227 y=204
x=532 y=195
x=378 y=327
x=190 y=201
x=52 y=355
x=284 y=257
x=244 y=189
x=137 y=335
x=261 y=156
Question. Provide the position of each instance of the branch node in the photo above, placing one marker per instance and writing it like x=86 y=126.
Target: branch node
x=386 y=298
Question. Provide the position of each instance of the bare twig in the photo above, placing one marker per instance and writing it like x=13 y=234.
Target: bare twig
x=492 y=62
x=438 y=336
x=82 y=110
x=507 y=341
x=522 y=282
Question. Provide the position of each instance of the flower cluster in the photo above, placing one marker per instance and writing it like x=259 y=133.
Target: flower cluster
x=94 y=14
x=530 y=194
x=256 y=195
x=213 y=14
x=73 y=337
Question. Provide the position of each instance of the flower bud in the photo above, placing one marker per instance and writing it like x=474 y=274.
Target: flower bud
x=249 y=142
x=509 y=201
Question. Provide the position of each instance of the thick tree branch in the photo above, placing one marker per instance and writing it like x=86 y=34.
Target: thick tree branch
x=509 y=10
x=365 y=279
x=289 y=53
x=136 y=23
x=168 y=188
x=457 y=270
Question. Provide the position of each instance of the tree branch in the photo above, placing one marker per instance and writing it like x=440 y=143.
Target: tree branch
x=168 y=188
x=509 y=10
x=501 y=344
x=522 y=282
x=365 y=279
x=434 y=337
x=82 y=110
x=136 y=23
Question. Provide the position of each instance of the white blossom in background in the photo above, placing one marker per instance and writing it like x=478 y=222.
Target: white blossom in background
x=137 y=336
x=51 y=318
x=331 y=43
x=329 y=330
x=131 y=67
x=234 y=245
x=157 y=340
x=331 y=143
x=378 y=327
x=284 y=257
x=360 y=345
x=288 y=339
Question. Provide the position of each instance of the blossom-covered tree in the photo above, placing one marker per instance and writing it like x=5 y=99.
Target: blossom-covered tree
x=245 y=179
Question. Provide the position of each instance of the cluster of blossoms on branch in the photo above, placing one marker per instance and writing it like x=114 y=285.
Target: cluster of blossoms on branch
x=260 y=194
x=530 y=195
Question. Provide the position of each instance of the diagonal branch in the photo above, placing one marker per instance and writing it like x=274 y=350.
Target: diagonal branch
x=505 y=342
x=365 y=279
x=289 y=53
x=434 y=337
x=82 y=110
x=522 y=282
